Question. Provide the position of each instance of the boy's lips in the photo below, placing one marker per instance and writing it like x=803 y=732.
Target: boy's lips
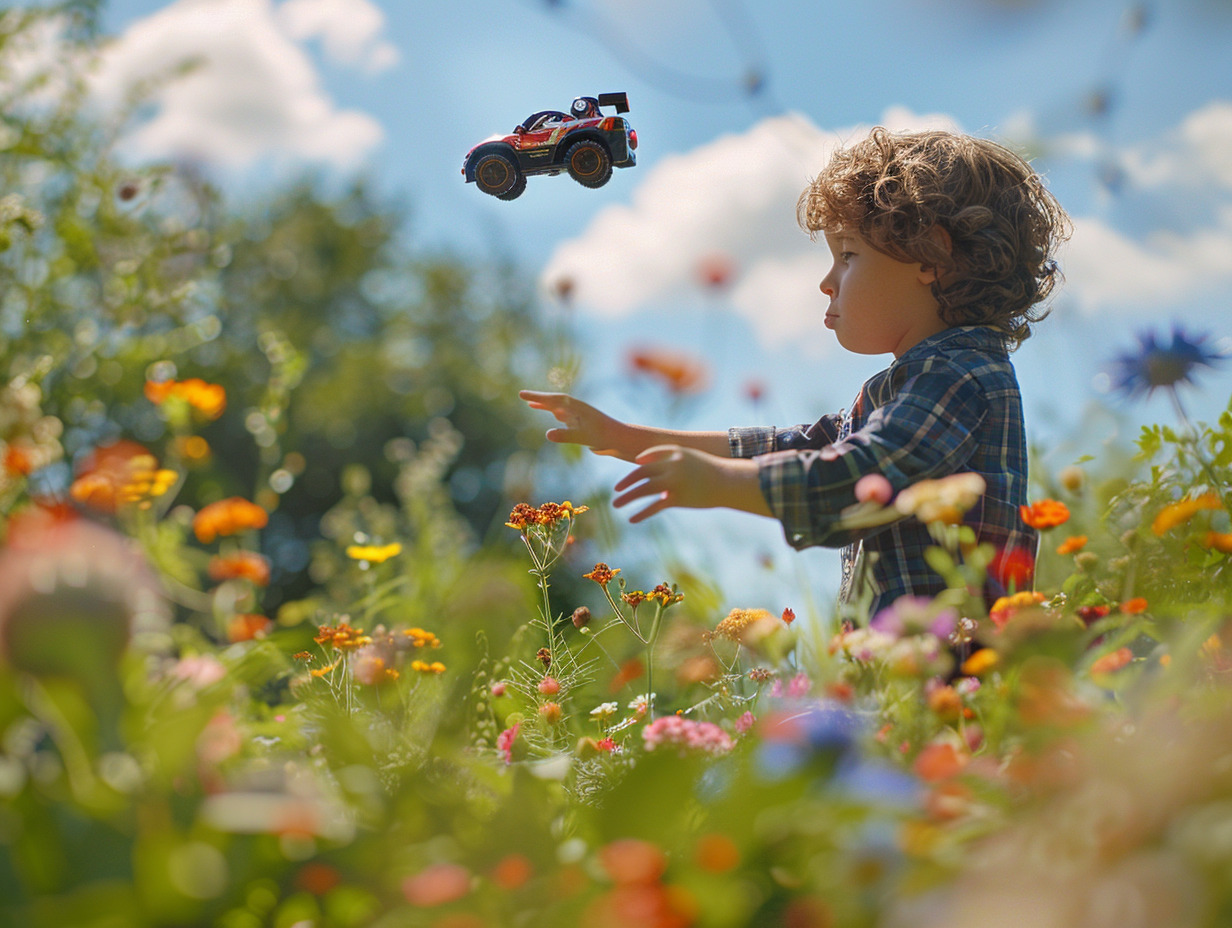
x=829 y=320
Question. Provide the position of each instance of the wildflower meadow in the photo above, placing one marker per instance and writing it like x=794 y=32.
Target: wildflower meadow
x=289 y=636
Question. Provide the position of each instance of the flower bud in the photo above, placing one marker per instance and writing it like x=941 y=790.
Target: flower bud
x=581 y=617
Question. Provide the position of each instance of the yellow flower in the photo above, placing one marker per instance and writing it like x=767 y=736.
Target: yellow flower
x=1182 y=511
x=602 y=574
x=979 y=663
x=943 y=500
x=739 y=621
x=422 y=639
x=435 y=667
x=375 y=554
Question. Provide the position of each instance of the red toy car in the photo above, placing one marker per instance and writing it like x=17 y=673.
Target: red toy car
x=583 y=142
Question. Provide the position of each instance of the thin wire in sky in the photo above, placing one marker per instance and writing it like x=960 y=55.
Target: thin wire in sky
x=750 y=83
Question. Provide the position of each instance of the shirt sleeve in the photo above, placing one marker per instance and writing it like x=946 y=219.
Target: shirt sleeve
x=926 y=431
x=751 y=442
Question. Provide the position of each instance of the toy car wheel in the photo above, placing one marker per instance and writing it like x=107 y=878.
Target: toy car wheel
x=516 y=190
x=589 y=163
x=496 y=173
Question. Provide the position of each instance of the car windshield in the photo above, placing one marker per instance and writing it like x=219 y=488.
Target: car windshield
x=540 y=120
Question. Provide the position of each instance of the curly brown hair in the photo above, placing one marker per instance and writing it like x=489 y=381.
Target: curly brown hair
x=1003 y=225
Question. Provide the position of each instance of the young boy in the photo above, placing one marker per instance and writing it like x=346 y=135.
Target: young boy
x=943 y=248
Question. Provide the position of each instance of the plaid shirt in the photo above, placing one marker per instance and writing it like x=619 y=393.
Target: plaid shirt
x=949 y=404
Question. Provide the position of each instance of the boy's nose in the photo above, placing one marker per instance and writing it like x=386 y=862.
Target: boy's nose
x=827 y=288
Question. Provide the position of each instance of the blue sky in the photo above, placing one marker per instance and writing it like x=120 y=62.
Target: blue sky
x=1126 y=107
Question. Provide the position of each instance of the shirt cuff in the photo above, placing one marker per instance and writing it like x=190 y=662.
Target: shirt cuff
x=750 y=442
x=784 y=484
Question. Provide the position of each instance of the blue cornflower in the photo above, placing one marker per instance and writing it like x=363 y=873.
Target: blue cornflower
x=1159 y=364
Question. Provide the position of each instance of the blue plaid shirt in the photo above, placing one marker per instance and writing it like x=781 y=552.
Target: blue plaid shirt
x=950 y=404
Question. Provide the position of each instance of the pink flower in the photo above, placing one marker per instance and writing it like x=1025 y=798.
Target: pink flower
x=799 y=686
x=745 y=722
x=605 y=744
x=504 y=742
x=548 y=686
x=686 y=735
x=874 y=488
x=498 y=689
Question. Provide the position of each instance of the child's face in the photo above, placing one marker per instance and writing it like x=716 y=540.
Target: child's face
x=878 y=304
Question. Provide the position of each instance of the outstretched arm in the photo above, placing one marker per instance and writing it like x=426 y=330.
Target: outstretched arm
x=585 y=425
x=676 y=476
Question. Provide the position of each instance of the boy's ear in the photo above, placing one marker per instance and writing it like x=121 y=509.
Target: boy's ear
x=930 y=275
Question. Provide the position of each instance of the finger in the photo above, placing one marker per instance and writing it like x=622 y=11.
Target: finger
x=656 y=507
x=639 y=492
x=535 y=396
x=638 y=474
x=659 y=453
x=562 y=436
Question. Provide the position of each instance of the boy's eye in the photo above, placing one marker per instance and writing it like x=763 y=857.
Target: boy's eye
x=845 y=256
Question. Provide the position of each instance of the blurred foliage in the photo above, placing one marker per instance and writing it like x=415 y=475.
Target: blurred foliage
x=338 y=340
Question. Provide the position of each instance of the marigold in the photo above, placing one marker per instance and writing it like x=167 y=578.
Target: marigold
x=421 y=639
x=1112 y=661
x=939 y=762
x=664 y=595
x=738 y=623
x=435 y=667
x=680 y=373
x=1044 y=514
x=227 y=517
x=981 y=662
x=1004 y=608
x=1072 y=545
x=548 y=515
x=602 y=574
x=243 y=565
x=209 y=399
x=342 y=637
x=1220 y=541
x=1182 y=511
x=246 y=627
x=375 y=554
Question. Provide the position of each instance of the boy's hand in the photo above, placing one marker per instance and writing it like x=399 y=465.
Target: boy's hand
x=677 y=476
x=584 y=425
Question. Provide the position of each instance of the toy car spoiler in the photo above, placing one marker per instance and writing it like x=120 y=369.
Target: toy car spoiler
x=618 y=100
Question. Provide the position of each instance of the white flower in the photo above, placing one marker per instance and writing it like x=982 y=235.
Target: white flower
x=604 y=710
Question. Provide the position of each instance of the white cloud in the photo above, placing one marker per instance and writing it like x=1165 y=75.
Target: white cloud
x=349 y=30
x=736 y=197
x=250 y=92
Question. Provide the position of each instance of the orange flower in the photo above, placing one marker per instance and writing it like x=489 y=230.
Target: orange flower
x=1045 y=514
x=1112 y=662
x=939 y=762
x=512 y=871
x=1182 y=511
x=1004 y=608
x=1134 y=606
x=602 y=574
x=979 y=663
x=435 y=667
x=716 y=853
x=1220 y=541
x=789 y=616
x=1072 y=545
x=246 y=627
x=679 y=373
x=209 y=399
x=243 y=565
x=631 y=860
x=226 y=517
x=342 y=638
x=103 y=473
x=436 y=885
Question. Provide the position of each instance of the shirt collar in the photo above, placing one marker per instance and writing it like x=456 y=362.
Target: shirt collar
x=977 y=337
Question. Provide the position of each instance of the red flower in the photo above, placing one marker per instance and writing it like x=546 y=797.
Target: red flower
x=1045 y=514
